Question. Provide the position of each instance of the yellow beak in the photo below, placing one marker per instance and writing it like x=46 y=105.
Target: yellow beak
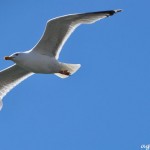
x=7 y=58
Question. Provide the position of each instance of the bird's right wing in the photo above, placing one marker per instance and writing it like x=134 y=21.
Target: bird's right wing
x=9 y=78
x=59 y=29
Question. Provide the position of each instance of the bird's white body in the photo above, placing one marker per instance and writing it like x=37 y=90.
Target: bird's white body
x=43 y=57
x=38 y=63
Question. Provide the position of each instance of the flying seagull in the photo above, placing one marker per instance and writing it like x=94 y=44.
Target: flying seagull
x=43 y=57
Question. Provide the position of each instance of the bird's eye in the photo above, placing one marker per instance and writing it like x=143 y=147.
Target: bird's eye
x=16 y=54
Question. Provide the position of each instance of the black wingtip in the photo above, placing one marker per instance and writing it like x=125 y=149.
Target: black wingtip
x=112 y=12
x=107 y=12
x=118 y=10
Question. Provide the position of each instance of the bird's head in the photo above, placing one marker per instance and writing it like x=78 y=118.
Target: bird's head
x=14 y=57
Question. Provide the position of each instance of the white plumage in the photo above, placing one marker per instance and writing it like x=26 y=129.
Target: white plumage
x=43 y=57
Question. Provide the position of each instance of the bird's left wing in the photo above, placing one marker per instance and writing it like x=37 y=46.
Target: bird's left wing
x=9 y=78
x=59 y=29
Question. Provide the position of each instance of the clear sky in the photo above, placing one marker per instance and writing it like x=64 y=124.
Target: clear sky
x=105 y=105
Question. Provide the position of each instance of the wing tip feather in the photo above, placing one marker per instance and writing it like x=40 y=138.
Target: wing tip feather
x=109 y=12
x=112 y=12
x=118 y=10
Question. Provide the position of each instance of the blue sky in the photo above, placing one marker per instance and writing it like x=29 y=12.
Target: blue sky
x=105 y=105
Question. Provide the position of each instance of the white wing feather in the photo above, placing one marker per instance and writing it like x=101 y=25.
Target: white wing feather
x=9 y=78
x=59 y=29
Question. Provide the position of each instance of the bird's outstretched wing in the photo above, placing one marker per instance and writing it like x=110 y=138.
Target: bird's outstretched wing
x=9 y=78
x=59 y=29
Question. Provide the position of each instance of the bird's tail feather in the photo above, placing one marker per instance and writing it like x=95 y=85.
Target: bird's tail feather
x=71 y=68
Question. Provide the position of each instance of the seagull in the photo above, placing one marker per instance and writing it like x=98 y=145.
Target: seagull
x=43 y=57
